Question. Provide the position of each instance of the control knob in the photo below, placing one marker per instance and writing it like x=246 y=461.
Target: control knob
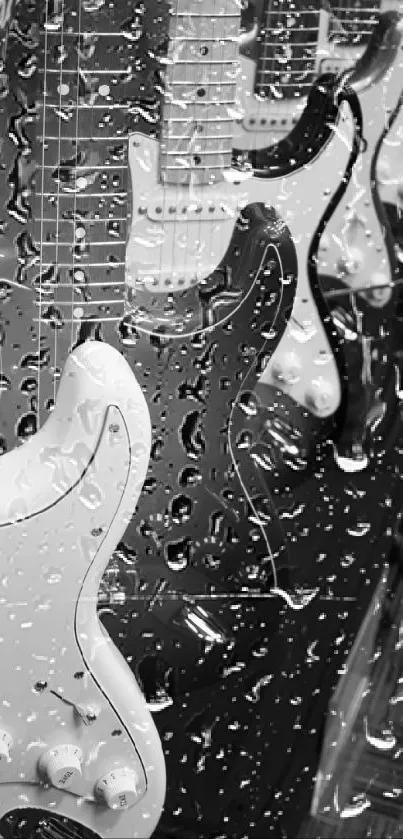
x=6 y=744
x=352 y=262
x=119 y=789
x=287 y=368
x=320 y=397
x=61 y=765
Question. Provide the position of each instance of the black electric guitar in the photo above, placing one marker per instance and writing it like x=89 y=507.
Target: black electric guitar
x=357 y=250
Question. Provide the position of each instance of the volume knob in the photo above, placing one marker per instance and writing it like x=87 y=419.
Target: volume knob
x=320 y=397
x=61 y=765
x=119 y=789
x=6 y=744
x=352 y=262
x=287 y=368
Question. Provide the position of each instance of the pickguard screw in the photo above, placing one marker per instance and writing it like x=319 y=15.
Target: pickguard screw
x=96 y=531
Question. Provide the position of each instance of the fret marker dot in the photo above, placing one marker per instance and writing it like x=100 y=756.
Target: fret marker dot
x=81 y=183
x=104 y=90
x=63 y=89
x=78 y=312
x=79 y=276
x=80 y=232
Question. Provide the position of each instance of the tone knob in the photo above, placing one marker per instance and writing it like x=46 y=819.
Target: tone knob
x=119 y=789
x=61 y=765
x=6 y=744
x=352 y=262
x=320 y=397
x=287 y=368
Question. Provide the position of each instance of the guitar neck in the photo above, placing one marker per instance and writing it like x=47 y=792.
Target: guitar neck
x=200 y=80
x=287 y=46
x=352 y=23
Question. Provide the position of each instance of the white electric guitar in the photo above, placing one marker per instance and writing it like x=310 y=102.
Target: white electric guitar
x=77 y=741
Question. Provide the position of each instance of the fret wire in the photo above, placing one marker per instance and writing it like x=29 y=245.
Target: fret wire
x=205 y=119
x=278 y=45
x=205 y=137
x=360 y=11
x=90 y=219
x=80 y=34
x=206 y=39
x=61 y=105
x=285 y=71
x=292 y=85
x=204 y=153
x=82 y=72
x=42 y=139
x=91 y=284
x=205 y=65
x=59 y=244
x=89 y=168
x=81 y=265
x=204 y=15
x=196 y=83
x=85 y=195
x=77 y=304
x=200 y=167
x=206 y=104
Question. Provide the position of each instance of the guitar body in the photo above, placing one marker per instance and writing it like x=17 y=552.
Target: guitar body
x=70 y=492
x=358 y=247
x=177 y=255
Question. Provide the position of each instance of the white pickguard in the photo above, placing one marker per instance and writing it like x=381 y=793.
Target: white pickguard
x=67 y=497
x=353 y=247
x=300 y=199
x=390 y=161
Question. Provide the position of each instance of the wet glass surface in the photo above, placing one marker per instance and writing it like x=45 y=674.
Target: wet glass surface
x=269 y=509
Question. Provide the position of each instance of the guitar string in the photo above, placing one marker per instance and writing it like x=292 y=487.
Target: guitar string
x=42 y=212
x=4 y=49
x=77 y=188
x=58 y=186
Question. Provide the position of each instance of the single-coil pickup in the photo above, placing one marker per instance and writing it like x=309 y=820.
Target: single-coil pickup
x=192 y=211
x=335 y=65
x=256 y=123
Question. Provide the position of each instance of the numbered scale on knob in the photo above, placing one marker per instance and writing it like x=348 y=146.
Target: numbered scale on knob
x=61 y=765
x=119 y=789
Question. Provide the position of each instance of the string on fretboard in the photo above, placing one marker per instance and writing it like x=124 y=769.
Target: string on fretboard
x=72 y=252
x=287 y=50
x=352 y=23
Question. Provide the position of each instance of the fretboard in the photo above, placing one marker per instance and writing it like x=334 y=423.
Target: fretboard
x=200 y=79
x=287 y=49
x=77 y=267
x=352 y=23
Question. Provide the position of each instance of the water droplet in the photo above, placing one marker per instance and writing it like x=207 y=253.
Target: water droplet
x=181 y=509
x=53 y=576
x=177 y=554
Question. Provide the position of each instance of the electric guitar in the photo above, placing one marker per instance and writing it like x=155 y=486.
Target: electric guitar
x=78 y=746
x=361 y=230
x=197 y=338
